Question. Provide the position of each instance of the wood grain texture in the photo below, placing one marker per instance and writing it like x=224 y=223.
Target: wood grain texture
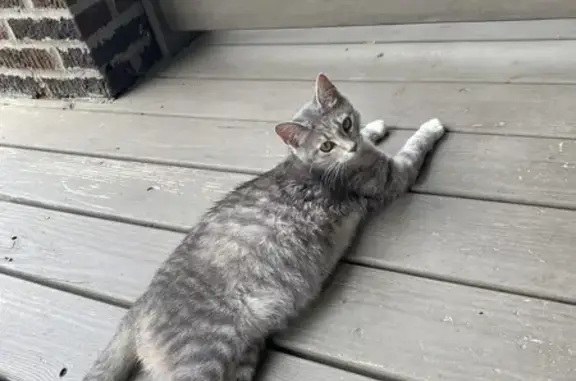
x=372 y=321
x=518 y=248
x=281 y=367
x=500 y=246
x=535 y=110
x=526 y=170
x=152 y=193
x=386 y=323
x=110 y=259
x=434 y=32
x=516 y=62
x=248 y=14
x=44 y=331
x=230 y=144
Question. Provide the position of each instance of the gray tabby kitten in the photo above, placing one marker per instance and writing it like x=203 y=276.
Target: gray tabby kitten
x=260 y=255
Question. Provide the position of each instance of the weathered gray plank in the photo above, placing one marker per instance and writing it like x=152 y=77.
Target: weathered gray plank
x=370 y=320
x=247 y=14
x=419 y=329
x=81 y=253
x=527 y=170
x=153 y=193
x=433 y=32
x=518 y=62
x=536 y=110
x=518 y=248
x=281 y=367
x=214 y=143
x=44 y=331
x=501 y=246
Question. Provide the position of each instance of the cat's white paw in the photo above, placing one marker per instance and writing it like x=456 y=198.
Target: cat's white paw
x=375 y=129
x=434 y=127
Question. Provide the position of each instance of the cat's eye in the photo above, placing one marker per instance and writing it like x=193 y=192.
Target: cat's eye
x=327 y=146
x=347 y=124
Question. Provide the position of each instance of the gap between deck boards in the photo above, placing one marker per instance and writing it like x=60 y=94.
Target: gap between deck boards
x=437 y=214
x=509 y=110
x=363 y=311
x=444 y=32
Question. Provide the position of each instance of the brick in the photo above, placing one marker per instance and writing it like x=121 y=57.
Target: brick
x=77 y=57
x=76 y=87
x=115 y=78
x=93 y=18
x=40 y=29
x=11 y=4
x=13 y=85
x=3 y=32
x=122 y=38
x=39 y=88
x=27 y=58
x=49 y=3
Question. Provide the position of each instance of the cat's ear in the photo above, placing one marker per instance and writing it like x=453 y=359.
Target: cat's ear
x=326 y=94
x=291 y=133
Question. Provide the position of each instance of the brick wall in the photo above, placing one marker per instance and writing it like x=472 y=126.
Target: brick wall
x=80 y=48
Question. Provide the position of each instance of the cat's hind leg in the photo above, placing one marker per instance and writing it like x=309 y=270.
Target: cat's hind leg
x=188 y=344
x=118 y=359
x=374 y=131
x=247 y=367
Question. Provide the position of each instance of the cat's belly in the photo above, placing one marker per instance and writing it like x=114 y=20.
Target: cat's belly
x=343 y=233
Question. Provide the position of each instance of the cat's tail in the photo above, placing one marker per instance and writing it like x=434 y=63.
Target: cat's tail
x=117 y=361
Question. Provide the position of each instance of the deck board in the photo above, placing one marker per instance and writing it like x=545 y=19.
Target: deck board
x=44 y=331
x=87 y=255
x=502 y=109
x=243 y=14
x=469 y=277
x=528 y=170
x=524 y=170
x=353 y=324
x=410 y=62
x=386 y=323
x=157 y=194
x=198 y=142
x=512 y=247
x=533 y=30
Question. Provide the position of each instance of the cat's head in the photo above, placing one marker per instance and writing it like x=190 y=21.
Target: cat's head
x=324 y=133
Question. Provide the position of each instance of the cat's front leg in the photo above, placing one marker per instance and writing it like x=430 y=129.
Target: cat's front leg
x=374 y=131
x=386 y=178
x=406 y=164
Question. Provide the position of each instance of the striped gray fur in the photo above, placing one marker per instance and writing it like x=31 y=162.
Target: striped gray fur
x=260 y=255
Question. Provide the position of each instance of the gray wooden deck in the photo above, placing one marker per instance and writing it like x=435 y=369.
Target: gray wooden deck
x=472 y=276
